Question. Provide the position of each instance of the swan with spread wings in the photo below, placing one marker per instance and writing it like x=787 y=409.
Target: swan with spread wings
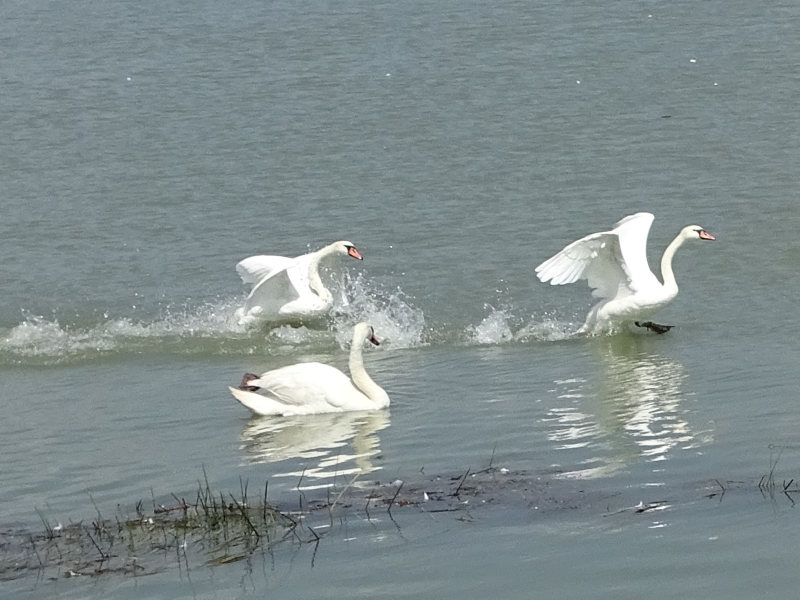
x=615 y=265
x=288 y=288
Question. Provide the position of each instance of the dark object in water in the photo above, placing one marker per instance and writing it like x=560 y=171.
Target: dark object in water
x=647 y=324
x=248 y=377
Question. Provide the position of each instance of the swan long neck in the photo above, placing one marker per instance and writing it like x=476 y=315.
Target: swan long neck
x=666 y=263
x=361 y=379
x=314 y=280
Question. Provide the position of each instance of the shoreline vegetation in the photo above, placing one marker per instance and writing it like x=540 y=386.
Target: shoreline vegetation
x=218 y=528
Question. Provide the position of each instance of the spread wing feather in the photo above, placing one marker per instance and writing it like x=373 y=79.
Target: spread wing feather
x=298 y=273
x=632 y=232
x=271 y=293
x=277 y=281
x=614 y=263
x=595 y=258
x=255 y=268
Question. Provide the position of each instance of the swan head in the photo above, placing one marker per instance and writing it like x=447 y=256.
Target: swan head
x=347 y=249
x=363 y=332
x=696 y=232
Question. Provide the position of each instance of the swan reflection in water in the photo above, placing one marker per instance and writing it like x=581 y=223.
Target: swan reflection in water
x=635 y=409
x=330 y=445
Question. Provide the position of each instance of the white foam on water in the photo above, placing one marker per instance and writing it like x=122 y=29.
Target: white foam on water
x=494 y=329
x=396 y=321
x=547 y=329
x=213 y=328
x=498 y=327
x=39 y=337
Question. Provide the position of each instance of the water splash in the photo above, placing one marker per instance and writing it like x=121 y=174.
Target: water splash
x=38 y=337
x=494 y=329
x=388 y=309
x=548 y=329
x=212 y=328
x=49 y=340
x=498 y=328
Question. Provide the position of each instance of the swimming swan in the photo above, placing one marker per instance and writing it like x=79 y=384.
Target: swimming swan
x=312 y=388
x=285 y=288
x=615 y=265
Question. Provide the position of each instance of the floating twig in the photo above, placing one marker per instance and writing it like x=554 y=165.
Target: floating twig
x=463 y=479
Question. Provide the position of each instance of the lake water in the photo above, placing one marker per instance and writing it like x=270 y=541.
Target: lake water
x=147 y=147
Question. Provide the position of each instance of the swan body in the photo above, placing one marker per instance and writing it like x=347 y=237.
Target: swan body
x=615 y=265
x=287 y=288
x=312 y=388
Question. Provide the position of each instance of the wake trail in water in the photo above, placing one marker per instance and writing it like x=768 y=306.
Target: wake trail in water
x=38 y=339
x=212 y=328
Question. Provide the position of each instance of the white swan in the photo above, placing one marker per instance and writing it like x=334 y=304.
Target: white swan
x=312 y=388
x=286 y=288
x=615 y=265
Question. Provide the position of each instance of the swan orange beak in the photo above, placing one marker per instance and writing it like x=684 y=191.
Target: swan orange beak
x=351 y=251
x=704 y=235
x=374 y=340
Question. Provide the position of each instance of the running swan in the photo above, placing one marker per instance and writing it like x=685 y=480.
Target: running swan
x=615 y=265
x=312 y=388
x=287 y=288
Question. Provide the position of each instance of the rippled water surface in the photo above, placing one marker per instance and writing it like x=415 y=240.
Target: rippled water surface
x=149 y=147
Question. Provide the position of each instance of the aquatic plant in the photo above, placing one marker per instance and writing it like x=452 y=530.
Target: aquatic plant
x=217 y=528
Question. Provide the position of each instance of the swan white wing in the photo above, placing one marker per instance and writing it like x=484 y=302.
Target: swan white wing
x=255 y=268
x=632 y=232
x=308 y=384
x=298 y=273
x=596 y=258
x=270 y=294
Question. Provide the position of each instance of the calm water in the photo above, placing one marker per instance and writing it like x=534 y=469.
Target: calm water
x=147 y=147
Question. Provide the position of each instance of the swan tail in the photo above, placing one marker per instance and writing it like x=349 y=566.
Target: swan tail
x=245 y=385
x=256 y=403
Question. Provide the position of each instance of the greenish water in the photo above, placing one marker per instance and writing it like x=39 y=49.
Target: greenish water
x=149 y=147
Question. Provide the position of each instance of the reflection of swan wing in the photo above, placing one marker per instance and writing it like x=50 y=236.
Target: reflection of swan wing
x=271 y=440
x=642 y=397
